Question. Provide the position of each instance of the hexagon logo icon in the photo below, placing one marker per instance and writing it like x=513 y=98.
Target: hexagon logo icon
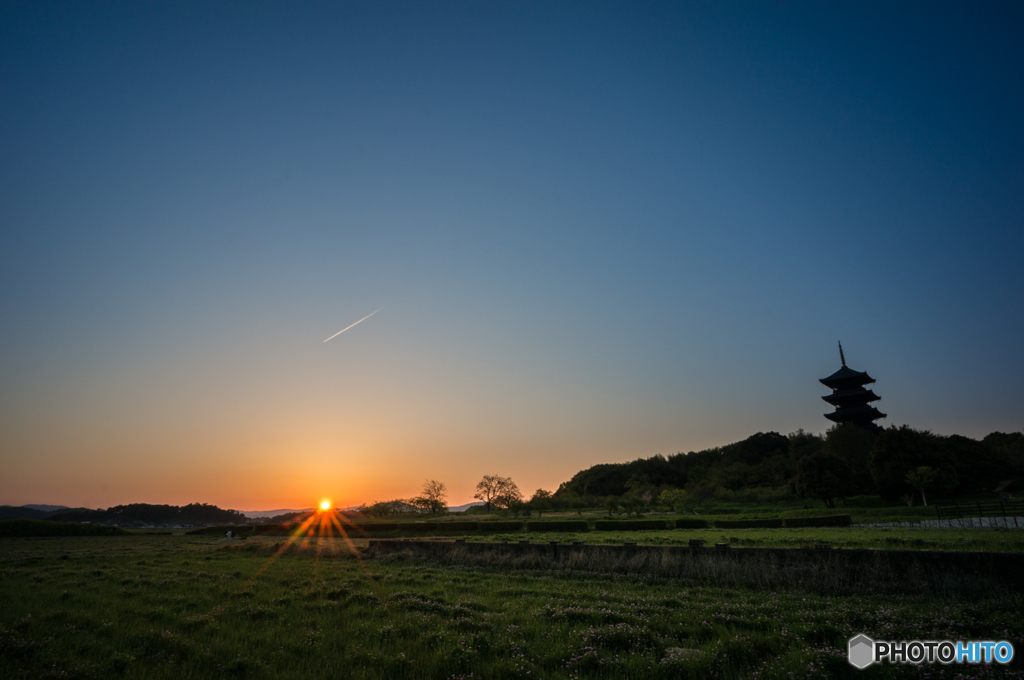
x=861 y=651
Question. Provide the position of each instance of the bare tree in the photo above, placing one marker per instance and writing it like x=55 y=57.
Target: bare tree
x=498 y=491
x=510 y=495
x=435 y=494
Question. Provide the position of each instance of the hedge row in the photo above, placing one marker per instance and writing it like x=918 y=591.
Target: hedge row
x=45 y=527
x=416 y=527
x=220 y=531
x=558 y=525
x=775 y=522
x=388 y=527
x=575 y=525
x=628 y=524
x=691 y=523
x=827 y=521
x=499 y=526
x=377 y=527
x=455 y=526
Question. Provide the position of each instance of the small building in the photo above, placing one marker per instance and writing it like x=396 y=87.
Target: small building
x=850 y=397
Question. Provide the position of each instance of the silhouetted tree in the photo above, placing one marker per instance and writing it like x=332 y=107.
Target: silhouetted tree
x=822 y=475
x=631 y=503
x=540 y=502
x=508 y=495
x=901 y=450
x=983 y=465
x=435 y=494
x=677 y=499
x=400 y=506
x=577 y=504
x=920 y=479
x=498 y=491
x=611 y=504
x=703 y=492
x=804 y=444
x=853 y=444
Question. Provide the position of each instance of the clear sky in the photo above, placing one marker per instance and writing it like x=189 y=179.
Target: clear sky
x=597 y=232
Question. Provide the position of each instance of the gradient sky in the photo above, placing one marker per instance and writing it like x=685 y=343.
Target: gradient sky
x=598 y=232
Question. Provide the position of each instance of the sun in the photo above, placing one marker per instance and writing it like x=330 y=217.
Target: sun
x=325 y=505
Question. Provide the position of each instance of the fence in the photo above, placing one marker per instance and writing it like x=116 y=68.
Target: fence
x=1007 y=511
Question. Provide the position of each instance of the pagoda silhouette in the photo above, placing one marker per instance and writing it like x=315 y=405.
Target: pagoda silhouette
x=850 y=397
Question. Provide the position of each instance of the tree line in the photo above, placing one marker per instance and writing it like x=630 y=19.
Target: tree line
x=494 y=491
x=897 y=463
x=193 y=514
x=433 y=499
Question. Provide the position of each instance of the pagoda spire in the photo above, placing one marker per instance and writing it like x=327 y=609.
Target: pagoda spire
x=841 y=357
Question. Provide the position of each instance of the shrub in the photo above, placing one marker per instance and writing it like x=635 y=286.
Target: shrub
x=377 y=527
x=558 y=525
x=415 y=526
x=691 y=523
x=452 y=526
x=435 y=527
x=493 y=527
x=827 y=521
x=773 y=523
x=628 y=524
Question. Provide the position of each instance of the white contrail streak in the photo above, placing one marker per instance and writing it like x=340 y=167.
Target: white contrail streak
x=355 y=324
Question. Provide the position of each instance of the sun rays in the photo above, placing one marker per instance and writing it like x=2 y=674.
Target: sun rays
x=320 y=524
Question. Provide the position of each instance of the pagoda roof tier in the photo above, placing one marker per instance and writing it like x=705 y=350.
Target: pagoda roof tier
x=858 y=395
x=846 y=378
x=864 y=414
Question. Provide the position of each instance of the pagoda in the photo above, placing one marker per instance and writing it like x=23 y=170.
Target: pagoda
x=850 y=397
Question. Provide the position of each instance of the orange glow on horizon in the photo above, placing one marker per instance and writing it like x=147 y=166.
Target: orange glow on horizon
x=315 y=525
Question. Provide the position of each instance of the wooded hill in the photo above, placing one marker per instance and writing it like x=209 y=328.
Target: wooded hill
x=895 y=463
x=194 y=514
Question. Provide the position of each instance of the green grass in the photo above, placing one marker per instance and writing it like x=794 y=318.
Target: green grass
x=192 y=607
x=863 y=510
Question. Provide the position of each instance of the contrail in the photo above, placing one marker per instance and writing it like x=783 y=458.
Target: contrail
x=355 y=324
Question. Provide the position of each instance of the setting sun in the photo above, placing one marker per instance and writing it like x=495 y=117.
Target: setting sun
x=325 y=505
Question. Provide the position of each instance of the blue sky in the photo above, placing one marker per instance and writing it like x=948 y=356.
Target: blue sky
x=598 y=231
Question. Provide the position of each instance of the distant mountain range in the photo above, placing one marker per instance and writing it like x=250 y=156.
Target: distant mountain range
x=463 y=508
x=263 y=514
x=34 y=511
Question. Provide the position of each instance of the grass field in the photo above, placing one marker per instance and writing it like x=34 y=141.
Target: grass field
x=863 y=509
x=196 y=607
